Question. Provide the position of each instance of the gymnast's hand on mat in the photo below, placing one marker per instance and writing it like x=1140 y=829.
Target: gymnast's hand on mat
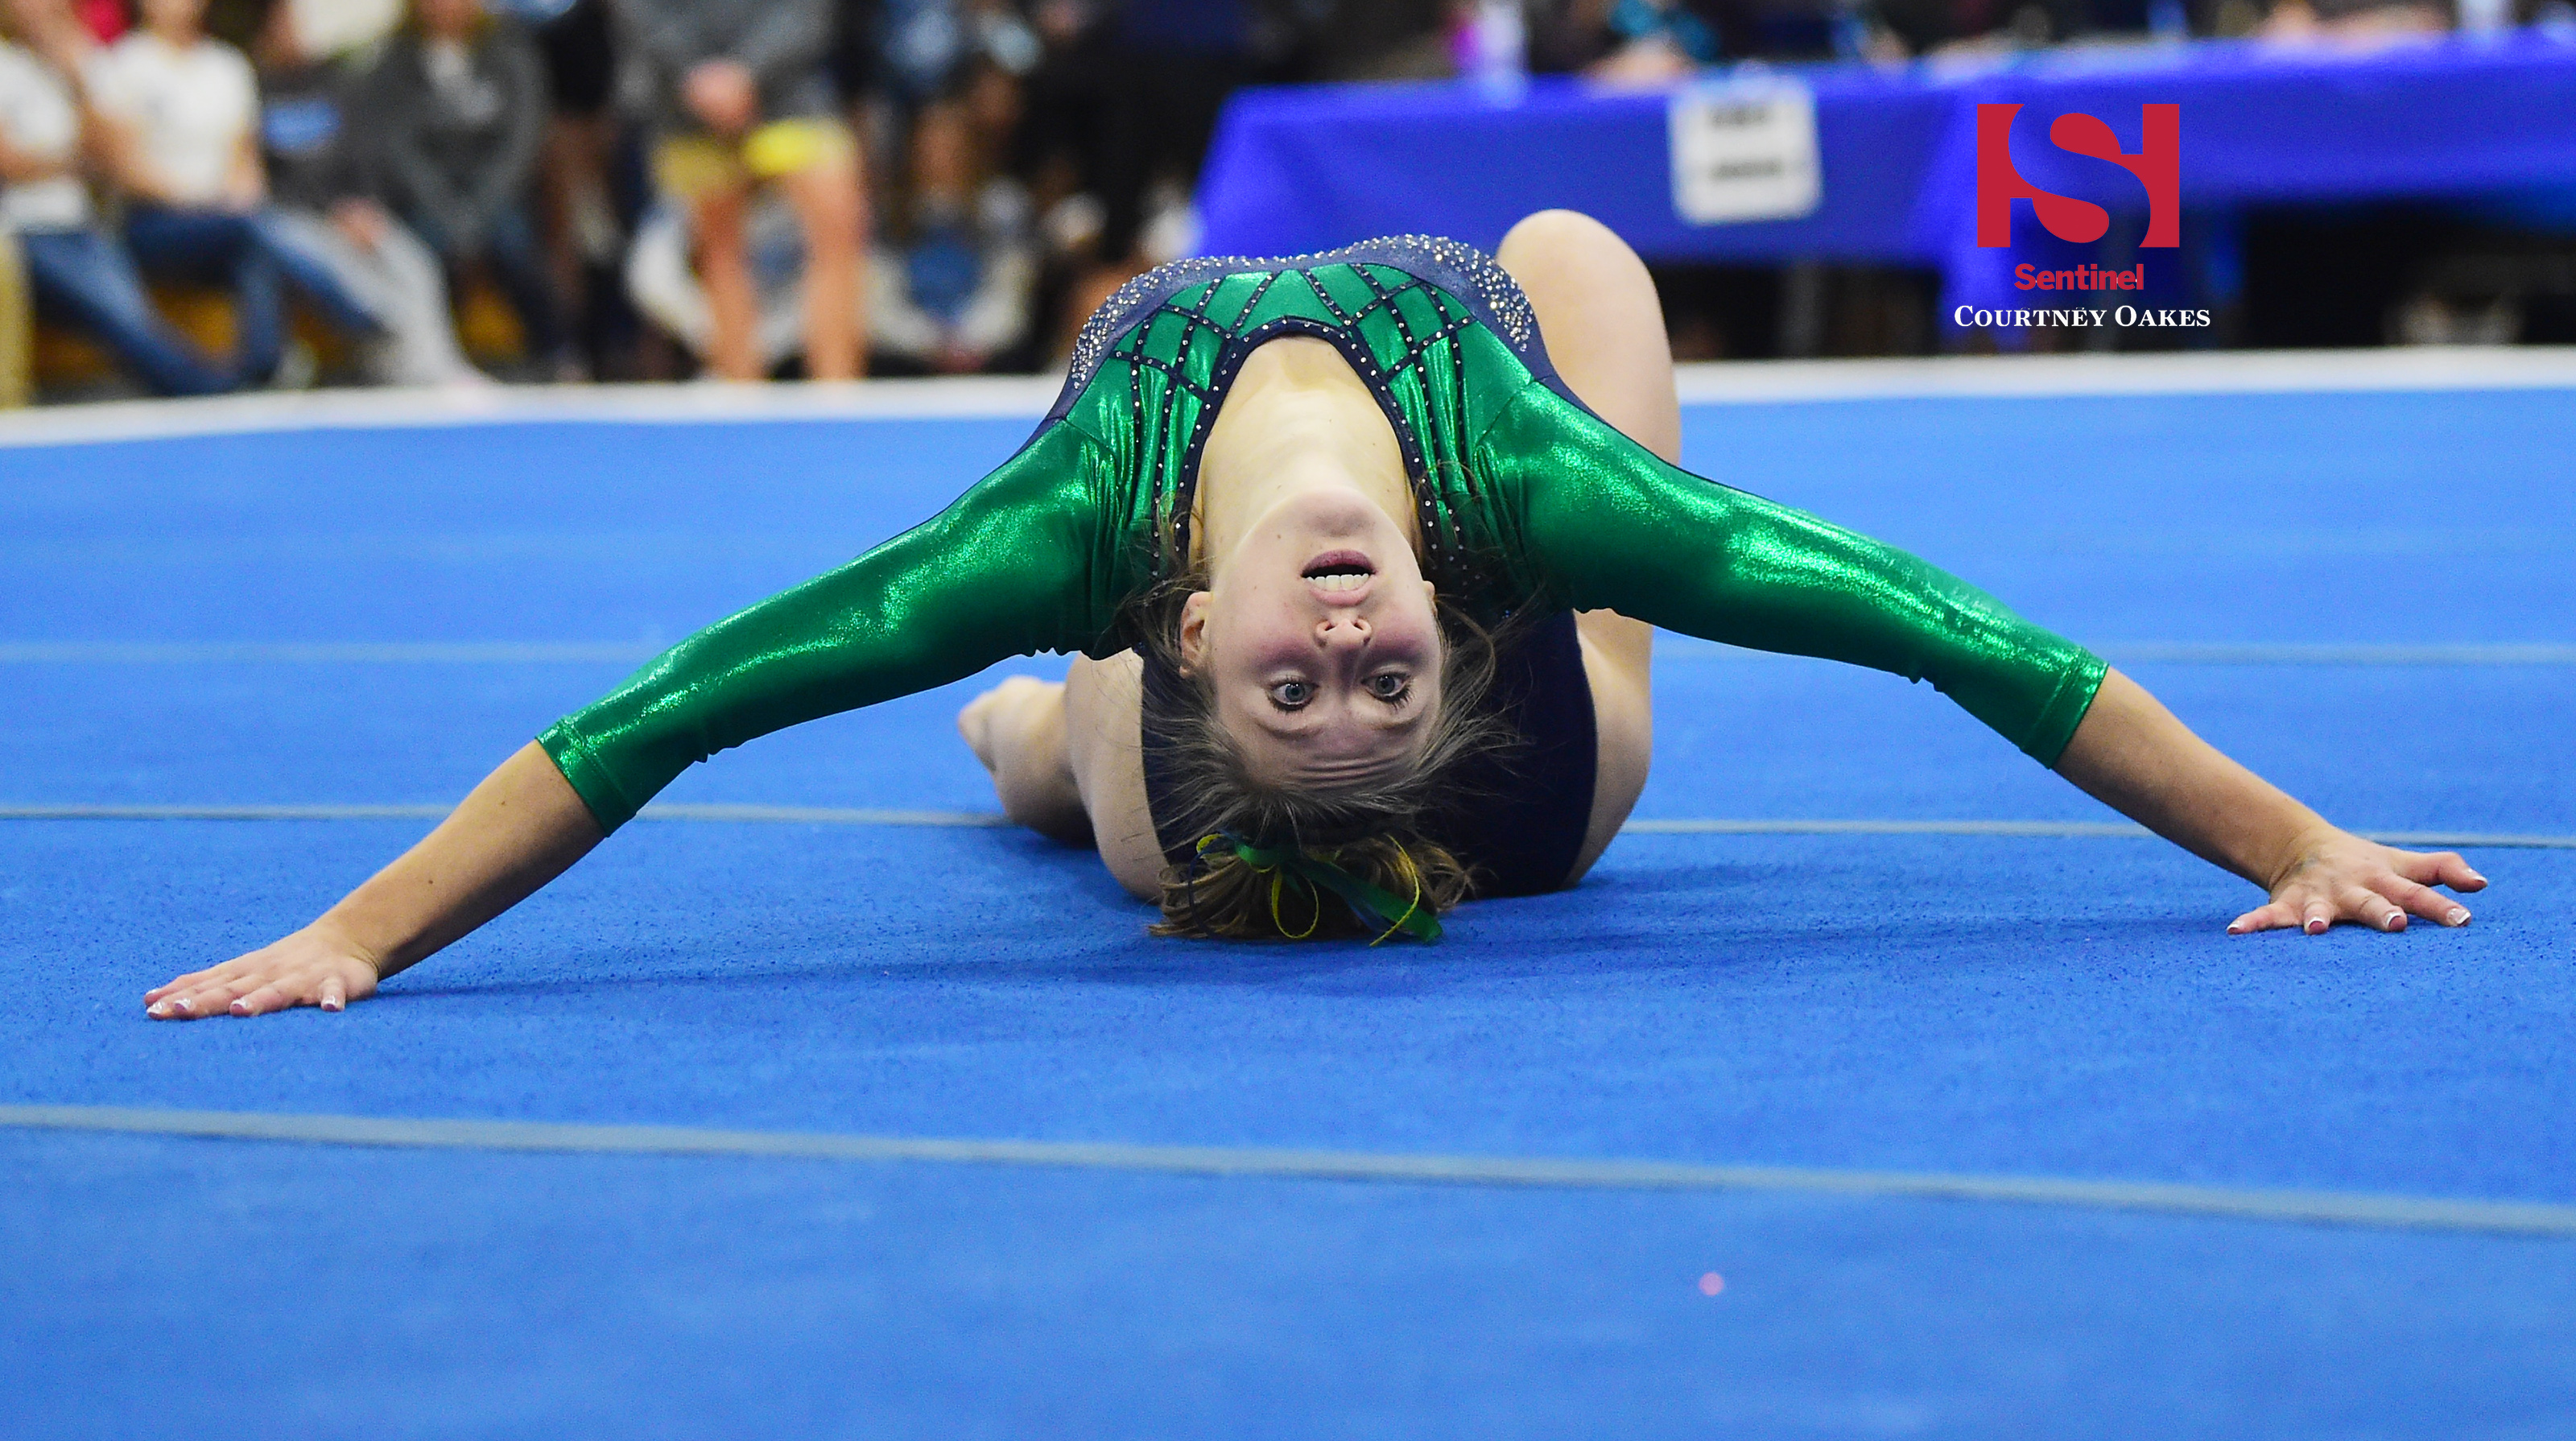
x=522 y=827
x=317 y=966
x=2131 y=754
x=2341 y=877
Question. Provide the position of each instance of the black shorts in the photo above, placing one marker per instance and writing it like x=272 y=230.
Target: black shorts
x=581 y=60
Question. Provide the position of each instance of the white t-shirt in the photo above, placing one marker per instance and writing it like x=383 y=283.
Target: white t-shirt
x=328 y=29
x=37 y=119
x=189 y=107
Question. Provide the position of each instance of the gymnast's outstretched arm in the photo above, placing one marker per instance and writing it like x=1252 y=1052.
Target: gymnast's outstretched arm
x=1606 y=523
x=1018 y=564
x=2133 y=755
x=522 y=827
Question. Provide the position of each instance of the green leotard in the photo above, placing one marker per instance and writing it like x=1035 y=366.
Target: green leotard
x=1526 y=499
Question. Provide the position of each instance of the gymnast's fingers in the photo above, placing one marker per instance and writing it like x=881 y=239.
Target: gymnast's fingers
x=2361 y=903
x=2424 y=901
x=2442 y=868
x=209 y=978
x=177 y=984
x=2316 y=915
x=316 y=966
x=211 y=991
x=327 y=981
x=186 y=996
x=275 y=996
x=2270 y=916
x=206 y=998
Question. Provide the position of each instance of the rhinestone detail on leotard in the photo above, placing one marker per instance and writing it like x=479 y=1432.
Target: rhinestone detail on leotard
x=1478 y=292
x=1482 y=283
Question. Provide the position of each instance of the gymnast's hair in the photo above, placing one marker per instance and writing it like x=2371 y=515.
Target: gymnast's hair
x=1372 y=832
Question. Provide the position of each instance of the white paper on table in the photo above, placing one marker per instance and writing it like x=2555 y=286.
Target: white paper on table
x=1745 y=149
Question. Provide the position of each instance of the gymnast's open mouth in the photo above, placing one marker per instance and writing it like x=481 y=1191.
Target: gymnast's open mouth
x=1340 y=575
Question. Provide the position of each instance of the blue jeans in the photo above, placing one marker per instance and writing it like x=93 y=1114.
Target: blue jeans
x=256 y=260
x=86 y=280
x=509 y=245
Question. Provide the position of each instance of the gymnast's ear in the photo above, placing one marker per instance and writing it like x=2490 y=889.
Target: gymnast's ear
x=1194 y=619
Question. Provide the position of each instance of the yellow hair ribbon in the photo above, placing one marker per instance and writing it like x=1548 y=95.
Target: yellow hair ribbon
x=1411 y=873
x=1317 y=875
x=1277 y=876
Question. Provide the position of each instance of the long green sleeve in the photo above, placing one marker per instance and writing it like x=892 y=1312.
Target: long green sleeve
x=1604 y=523
x=1023 y=562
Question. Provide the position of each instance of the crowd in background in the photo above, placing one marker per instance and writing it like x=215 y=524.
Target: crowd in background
x=453 y=192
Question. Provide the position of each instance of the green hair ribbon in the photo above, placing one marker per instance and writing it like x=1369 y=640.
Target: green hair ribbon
x=1281 y=863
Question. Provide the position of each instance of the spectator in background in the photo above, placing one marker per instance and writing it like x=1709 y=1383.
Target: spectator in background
x=1386 y=39
x=16 y=324
x=1638 y=42
x=1171 y=65
x=665 y=286
x=2352 y=22
x=311 y=58
x=735 y=95
x=585 y=231
x=955 y=292
x=179 y=113
x=322 y=29
x=104 y=20
x=1120 y=111
x=74 y=271
x=1940 y=28
x=455 y=114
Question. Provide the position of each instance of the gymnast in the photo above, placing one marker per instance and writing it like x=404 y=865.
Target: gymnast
x=1361 y=575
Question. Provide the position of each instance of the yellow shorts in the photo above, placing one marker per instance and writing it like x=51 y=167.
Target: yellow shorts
x=17 y=327
x=688 y=166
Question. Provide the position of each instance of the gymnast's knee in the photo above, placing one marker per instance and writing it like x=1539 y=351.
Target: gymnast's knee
x=1568 y=233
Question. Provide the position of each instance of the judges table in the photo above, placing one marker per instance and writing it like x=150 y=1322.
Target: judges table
x=1894 y=151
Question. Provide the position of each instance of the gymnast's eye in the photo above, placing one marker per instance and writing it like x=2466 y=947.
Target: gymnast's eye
x=1390 y=686
x=1291 y=694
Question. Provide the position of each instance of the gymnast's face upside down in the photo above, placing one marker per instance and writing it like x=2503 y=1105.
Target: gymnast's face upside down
x=1321 y=640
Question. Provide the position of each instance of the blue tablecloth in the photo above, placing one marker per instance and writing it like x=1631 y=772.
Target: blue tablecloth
x=1309 y=168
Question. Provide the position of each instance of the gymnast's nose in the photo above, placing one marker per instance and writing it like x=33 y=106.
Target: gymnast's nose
x=1341 y=630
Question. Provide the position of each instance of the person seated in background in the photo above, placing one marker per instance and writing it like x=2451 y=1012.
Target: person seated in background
x=75 y=272
x=1635 y=42
x=2362 y=23
x=455 y=113
x=580 y=214
x=1122 y=104
x=735 y=95
x=311 y=56
x=179 y=116
x=1392 y=39
x=16 y=343
x=662 y=280
x=955 y=293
